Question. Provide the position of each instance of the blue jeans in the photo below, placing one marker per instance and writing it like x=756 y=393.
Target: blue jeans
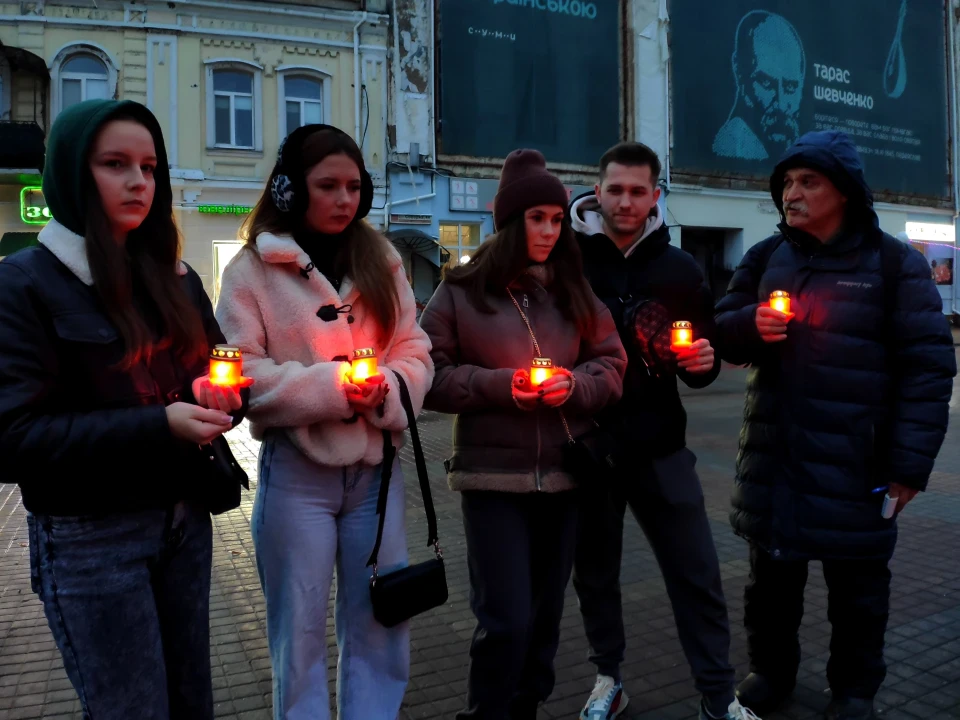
x=127 y=598
x=307 y=521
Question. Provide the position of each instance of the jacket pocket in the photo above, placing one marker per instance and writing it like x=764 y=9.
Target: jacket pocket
x=84 y=328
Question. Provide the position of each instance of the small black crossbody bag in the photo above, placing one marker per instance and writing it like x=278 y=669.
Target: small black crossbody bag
x=404 y=593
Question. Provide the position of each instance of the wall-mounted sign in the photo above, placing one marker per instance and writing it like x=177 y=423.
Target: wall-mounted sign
x=401 y=219
x=224 y=209
x=931 y=232
x=33 y=208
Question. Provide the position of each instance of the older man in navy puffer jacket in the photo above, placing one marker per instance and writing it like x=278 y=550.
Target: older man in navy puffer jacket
x=847 y=402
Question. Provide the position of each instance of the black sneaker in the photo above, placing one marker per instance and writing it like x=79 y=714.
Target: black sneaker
x=850 y=709
x=764 y=695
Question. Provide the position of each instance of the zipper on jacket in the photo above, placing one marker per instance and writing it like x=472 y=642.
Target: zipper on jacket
x=536 y=470
x=526 y=301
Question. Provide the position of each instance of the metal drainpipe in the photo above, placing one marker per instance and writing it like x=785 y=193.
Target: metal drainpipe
x=356 y=77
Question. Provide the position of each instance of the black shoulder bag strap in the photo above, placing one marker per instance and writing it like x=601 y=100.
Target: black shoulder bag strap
x=389 y=454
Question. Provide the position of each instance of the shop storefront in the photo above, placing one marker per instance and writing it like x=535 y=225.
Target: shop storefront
x=938 y=243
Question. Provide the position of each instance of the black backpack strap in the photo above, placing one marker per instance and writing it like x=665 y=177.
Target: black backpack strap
x=891 y=261
x=389 y=451
x=767 y=251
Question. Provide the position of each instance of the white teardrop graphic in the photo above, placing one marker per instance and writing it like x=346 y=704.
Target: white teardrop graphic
x=895 y=71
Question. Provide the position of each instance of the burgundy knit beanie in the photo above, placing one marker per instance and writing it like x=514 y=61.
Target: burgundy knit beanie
x=525 y=182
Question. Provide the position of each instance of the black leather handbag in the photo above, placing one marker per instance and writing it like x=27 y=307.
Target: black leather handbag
x=591 y=456
x=404 y=593
x=220 y=490
x=222 y=493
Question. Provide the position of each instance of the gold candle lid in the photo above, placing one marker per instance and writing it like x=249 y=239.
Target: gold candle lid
x=226 y=352
x=542 y=363
x=779 y=294
x=683 y=325
x=364 y=353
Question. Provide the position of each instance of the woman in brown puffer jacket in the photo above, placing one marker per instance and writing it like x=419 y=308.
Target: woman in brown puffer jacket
x=522 y=295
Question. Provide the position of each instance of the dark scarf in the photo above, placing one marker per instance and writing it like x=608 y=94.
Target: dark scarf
x=328 y=253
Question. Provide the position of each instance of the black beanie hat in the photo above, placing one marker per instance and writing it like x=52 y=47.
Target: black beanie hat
x=525 y=182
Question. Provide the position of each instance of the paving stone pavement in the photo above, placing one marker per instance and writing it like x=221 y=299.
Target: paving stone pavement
x=923 y=642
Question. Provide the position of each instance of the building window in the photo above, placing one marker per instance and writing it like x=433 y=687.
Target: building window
x=304 y=97
x=233 y=106
x=304 y=101
x=461 y=240
x=81 y=72
x=83 y=77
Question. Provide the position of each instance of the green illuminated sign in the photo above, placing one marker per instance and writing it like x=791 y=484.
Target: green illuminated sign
x=224 y=209
x=33 y=208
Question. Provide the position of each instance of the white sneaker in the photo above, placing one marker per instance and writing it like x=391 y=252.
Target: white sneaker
x=607 y=700
x=736 y=711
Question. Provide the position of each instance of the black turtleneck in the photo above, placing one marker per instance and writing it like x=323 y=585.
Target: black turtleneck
x=327 y=253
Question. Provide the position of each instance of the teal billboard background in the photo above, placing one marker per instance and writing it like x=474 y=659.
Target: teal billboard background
x=530 y=73
x=750 y=76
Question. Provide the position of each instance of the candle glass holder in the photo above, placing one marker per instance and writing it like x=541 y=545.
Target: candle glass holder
x=681 y=335
x=780 y=301
x=541 y=369
x=226 y=366
x=364 y=365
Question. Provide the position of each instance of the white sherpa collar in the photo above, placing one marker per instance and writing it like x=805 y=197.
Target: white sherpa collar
x=281 y=249
x=70 y=249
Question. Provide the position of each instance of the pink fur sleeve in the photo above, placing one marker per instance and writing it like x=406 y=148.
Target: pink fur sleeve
x=408 y=353
x=287 y=394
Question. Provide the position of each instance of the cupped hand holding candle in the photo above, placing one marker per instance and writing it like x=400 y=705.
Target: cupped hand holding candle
x=544 y=384
x=220 y=389
x=772 y=318
x=363 y=369
x=364 y=383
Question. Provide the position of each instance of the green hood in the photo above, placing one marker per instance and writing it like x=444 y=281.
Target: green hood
x=66 y=170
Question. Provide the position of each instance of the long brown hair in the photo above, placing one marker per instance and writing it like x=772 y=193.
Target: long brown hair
x=504 y=256
x=368 y=254
x=150 y=259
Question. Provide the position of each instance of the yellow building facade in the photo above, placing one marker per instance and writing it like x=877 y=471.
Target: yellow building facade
x=227 y=81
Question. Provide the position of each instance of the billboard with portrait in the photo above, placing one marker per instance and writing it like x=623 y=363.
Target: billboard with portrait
x=751 y=76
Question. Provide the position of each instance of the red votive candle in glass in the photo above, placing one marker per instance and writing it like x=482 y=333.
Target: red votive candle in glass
x=541 y=369
x=226 y=366
x=682 y=334
x=364 y=365
x=780 y=300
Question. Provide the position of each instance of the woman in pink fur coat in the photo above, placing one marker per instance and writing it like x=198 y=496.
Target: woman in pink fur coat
x=314 y=283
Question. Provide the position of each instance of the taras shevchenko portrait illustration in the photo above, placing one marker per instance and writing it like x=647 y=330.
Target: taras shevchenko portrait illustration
x=769 y=67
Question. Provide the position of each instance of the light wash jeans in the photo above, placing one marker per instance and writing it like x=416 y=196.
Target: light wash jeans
x=127 y=597
x=307 y=521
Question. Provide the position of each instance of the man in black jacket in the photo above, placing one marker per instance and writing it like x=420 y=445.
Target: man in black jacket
x=847 y=405
x=648 y=284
